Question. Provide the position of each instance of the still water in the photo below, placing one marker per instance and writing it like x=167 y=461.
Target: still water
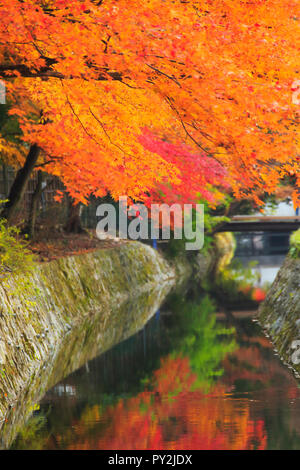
x=197 y=376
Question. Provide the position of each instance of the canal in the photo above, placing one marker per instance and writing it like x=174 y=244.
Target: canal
x=200 y=375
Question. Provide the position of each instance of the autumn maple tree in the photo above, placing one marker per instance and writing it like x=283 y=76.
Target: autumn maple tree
x=200 y=175
x=213 y=79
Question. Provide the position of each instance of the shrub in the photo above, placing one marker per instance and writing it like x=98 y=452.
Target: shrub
x=15 y=258
x=295 y=244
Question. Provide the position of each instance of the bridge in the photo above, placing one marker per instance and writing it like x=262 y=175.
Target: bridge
x=252 y=223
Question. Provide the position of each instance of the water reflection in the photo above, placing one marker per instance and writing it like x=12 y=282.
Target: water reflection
x=96 y=333
x=196 y=377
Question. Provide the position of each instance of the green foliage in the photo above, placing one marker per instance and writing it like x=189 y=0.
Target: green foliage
x=223 y=207
x=237 y=272
x=196 y=334
x=9 y=125
x=34 y=431
x=211 y=222
x=236 y=281
x=295 y=244
x=15 y=259
x=14 y=256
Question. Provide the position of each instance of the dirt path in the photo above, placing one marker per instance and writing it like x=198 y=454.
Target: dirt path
x=62 y=244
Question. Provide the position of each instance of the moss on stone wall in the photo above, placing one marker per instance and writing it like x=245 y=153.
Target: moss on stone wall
x=75 y=309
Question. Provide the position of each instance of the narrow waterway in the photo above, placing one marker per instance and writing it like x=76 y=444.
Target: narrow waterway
x=199 y=375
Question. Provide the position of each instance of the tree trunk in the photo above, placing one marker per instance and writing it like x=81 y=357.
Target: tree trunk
x=20 y=183
x=34 y=205
x=5 y=180
x=73 y=224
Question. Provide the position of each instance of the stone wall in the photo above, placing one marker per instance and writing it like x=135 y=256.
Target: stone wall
x=279 y=314
x=73 y=309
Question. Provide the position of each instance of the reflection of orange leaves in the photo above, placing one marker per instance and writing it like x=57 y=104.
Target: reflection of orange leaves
x=255 y=293
x=257 y=437
x=159 y=419
x=189 y=421
x=262 y=340
x=293 y=393
x=174 y=375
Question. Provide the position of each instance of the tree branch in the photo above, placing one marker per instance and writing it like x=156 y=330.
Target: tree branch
x=15 y=70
